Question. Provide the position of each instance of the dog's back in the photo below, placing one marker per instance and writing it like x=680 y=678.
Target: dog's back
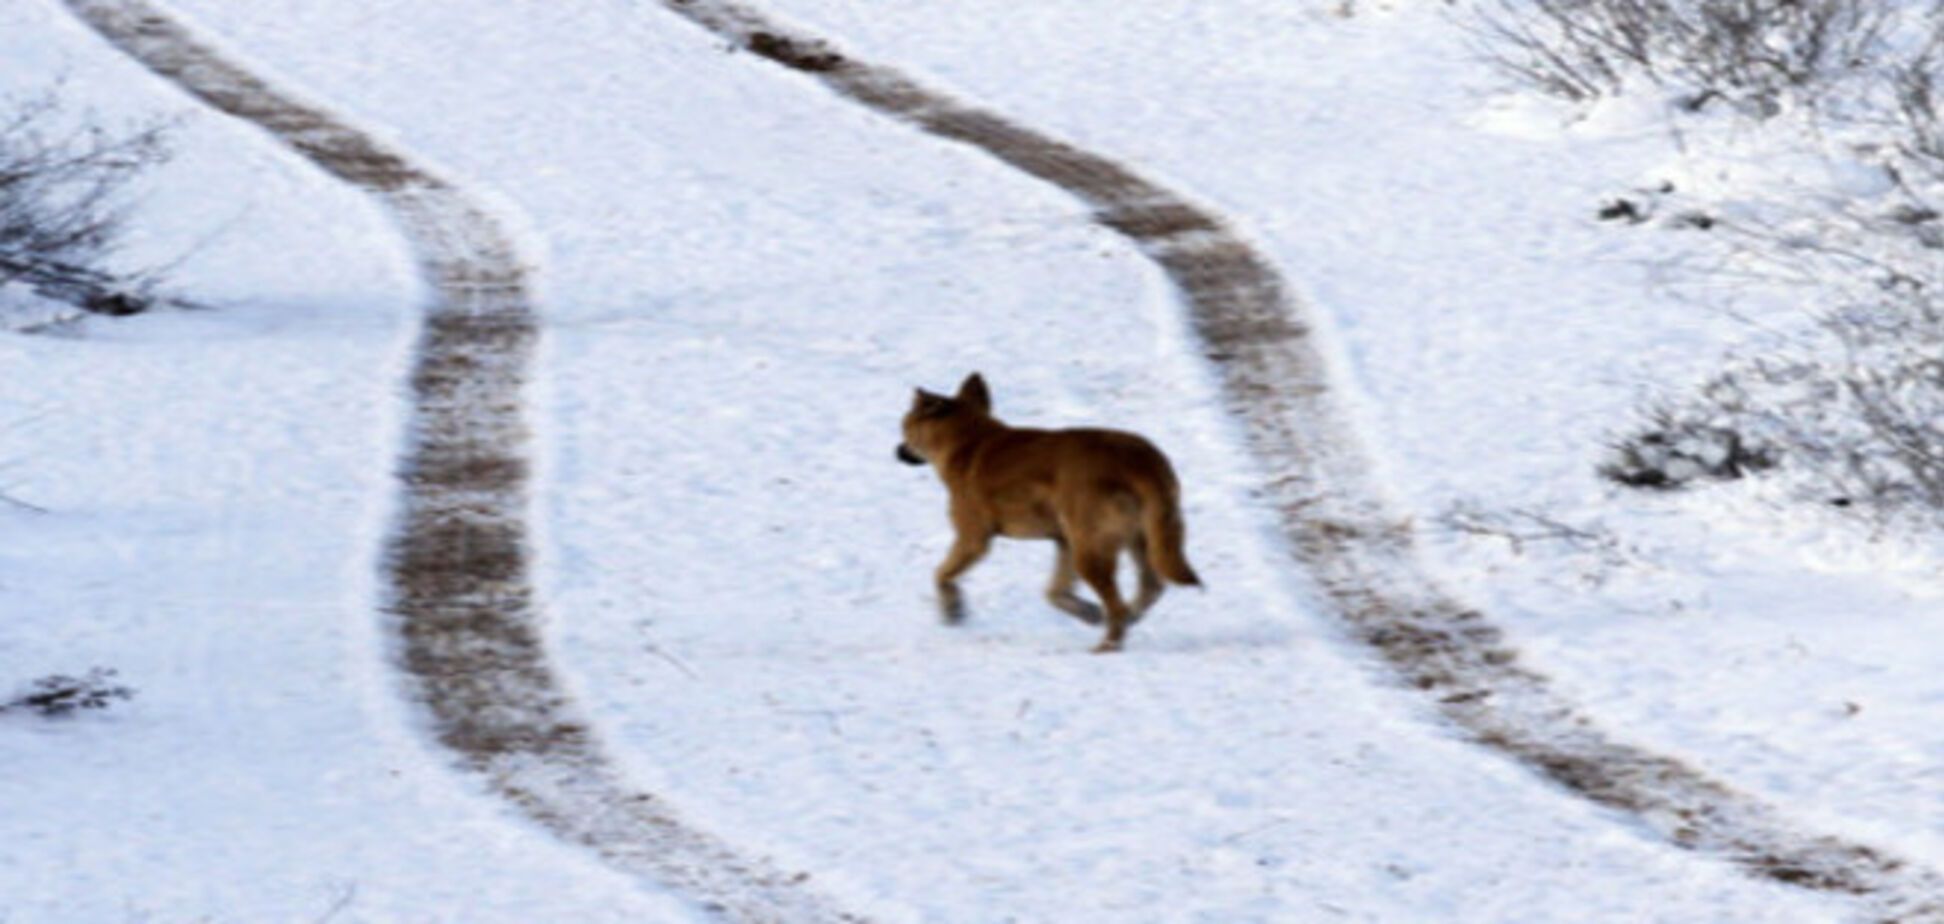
x=1090 y=487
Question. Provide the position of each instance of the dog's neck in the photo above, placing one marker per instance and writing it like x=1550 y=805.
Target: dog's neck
x=967 y=438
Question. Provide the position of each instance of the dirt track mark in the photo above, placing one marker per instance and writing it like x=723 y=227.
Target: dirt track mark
x=1276 y=382
x=460 y=598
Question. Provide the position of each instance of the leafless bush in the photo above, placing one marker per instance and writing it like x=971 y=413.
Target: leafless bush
x=1848 y=406
x=1851 y=412
x=1752 y=53
x=61 y=207
x=1680 y=444
x=59 y=694
x=1916 y=127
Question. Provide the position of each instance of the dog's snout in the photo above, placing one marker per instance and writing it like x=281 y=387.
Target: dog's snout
x=908 y=457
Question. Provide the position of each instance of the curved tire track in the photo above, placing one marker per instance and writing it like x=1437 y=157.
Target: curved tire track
x=456 y=563
x=1362 y=554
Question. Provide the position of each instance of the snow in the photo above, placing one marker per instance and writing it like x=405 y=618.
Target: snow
x=741 y=277
x=1497 y=335
x=216 y=483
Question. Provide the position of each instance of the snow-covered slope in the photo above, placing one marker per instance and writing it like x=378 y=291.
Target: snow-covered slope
x=216 y=483
x=1497 y=333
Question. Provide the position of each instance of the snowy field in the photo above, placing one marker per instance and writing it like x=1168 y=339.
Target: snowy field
x=741 y=277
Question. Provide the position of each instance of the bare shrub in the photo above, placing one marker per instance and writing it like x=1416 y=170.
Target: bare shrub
x=1752 y=53
x=61 y=210
x=1681 y=444
x=1915 y=127
x=59 y=694
x=1851 y=411
x=1848 y=405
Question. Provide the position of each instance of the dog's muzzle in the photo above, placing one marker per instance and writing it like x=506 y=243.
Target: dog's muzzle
x=908 y=457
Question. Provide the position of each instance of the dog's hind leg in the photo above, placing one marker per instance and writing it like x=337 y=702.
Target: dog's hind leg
x=966 y=552
x=1096 y=565
x=1060 y=591
x=1151 y=583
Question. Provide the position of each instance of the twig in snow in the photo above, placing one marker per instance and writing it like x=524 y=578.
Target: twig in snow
x=671 y=659
x=12 y=501
x=1239 y=836
x=830 y=717
x=1519 y=526
x=346 y=894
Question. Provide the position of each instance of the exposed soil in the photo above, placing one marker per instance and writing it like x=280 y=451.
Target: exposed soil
x=1276 y=382
x=456 y=565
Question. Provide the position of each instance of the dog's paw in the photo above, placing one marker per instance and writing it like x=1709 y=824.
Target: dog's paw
x=951 y=604
x=1107 y=646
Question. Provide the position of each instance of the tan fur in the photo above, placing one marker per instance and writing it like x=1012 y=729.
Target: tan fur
x=1094 y=493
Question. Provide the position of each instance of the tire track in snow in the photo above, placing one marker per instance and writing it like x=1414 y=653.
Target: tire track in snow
x=456 y=564
x=1362 y=554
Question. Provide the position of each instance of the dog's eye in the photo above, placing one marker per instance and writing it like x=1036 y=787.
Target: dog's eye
x=934 y=407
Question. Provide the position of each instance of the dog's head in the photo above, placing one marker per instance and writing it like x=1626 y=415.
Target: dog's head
x=932 y=425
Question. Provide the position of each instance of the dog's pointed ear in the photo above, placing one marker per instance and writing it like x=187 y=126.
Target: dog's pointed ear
x=973 y=392
x=928 y=404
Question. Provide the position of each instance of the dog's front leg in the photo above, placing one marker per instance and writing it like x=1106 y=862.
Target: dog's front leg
x=966 y=551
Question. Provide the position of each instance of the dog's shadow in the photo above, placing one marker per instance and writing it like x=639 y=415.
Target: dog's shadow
x=1251 y=638
x=1055 y=642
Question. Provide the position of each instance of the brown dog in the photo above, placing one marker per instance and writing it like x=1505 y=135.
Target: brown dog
x=1093 y=492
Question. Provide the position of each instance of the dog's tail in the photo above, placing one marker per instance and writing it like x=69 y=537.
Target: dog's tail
x=1161 y=522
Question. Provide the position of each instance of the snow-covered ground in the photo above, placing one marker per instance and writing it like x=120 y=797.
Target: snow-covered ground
x=217 y=483
x=741 y=276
